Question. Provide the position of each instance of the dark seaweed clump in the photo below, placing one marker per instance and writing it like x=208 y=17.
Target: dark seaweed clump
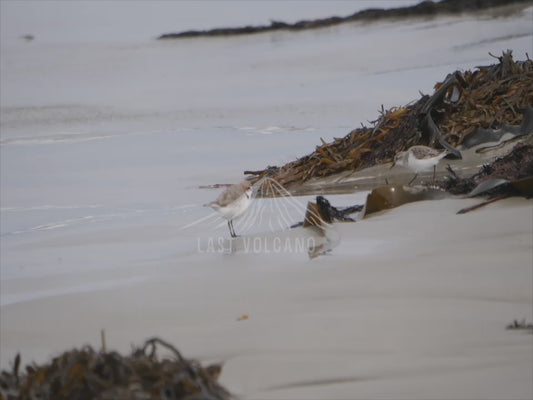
x=422 y=9
x=86 y=374
x=514 y=166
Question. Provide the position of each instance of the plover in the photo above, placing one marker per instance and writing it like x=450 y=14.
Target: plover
x=419 y=159
x=233 y=202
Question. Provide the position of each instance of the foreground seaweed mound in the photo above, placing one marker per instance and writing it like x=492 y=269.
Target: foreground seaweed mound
x=486 y=98
x=88 y=374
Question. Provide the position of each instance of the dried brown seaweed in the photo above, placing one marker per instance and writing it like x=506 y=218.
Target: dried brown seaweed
x=88 y=374
x=489 y=97
x=514 y=168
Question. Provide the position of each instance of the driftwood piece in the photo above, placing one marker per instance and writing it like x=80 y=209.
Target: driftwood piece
x=482 y=204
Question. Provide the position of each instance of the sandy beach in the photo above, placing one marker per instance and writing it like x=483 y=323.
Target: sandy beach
x=112 y=141
x=394 y=312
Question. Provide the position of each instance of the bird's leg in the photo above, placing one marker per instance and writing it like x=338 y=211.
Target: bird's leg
x=411 y=181
x=434 y=170
x=231 y=230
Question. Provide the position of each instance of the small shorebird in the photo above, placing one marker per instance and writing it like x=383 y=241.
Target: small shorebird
x=419 y=159
x=233 y=202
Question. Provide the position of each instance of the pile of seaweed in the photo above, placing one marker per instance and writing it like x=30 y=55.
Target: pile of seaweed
x=488 y=97
x=422 y=9
x=88 y=374
x=511 y=174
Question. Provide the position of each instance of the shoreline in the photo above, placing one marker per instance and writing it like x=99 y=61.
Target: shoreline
x=422 y=9
x=402 y=305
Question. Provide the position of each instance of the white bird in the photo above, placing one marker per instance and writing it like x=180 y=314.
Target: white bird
x=419 y=159
x=233 y=202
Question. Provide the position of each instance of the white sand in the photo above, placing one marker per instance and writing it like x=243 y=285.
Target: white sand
x=413 y=303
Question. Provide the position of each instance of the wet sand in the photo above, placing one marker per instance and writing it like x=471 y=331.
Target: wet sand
x=392 y=312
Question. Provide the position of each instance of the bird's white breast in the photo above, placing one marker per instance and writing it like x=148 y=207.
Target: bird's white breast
x=420 y=165
x=237 y=207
